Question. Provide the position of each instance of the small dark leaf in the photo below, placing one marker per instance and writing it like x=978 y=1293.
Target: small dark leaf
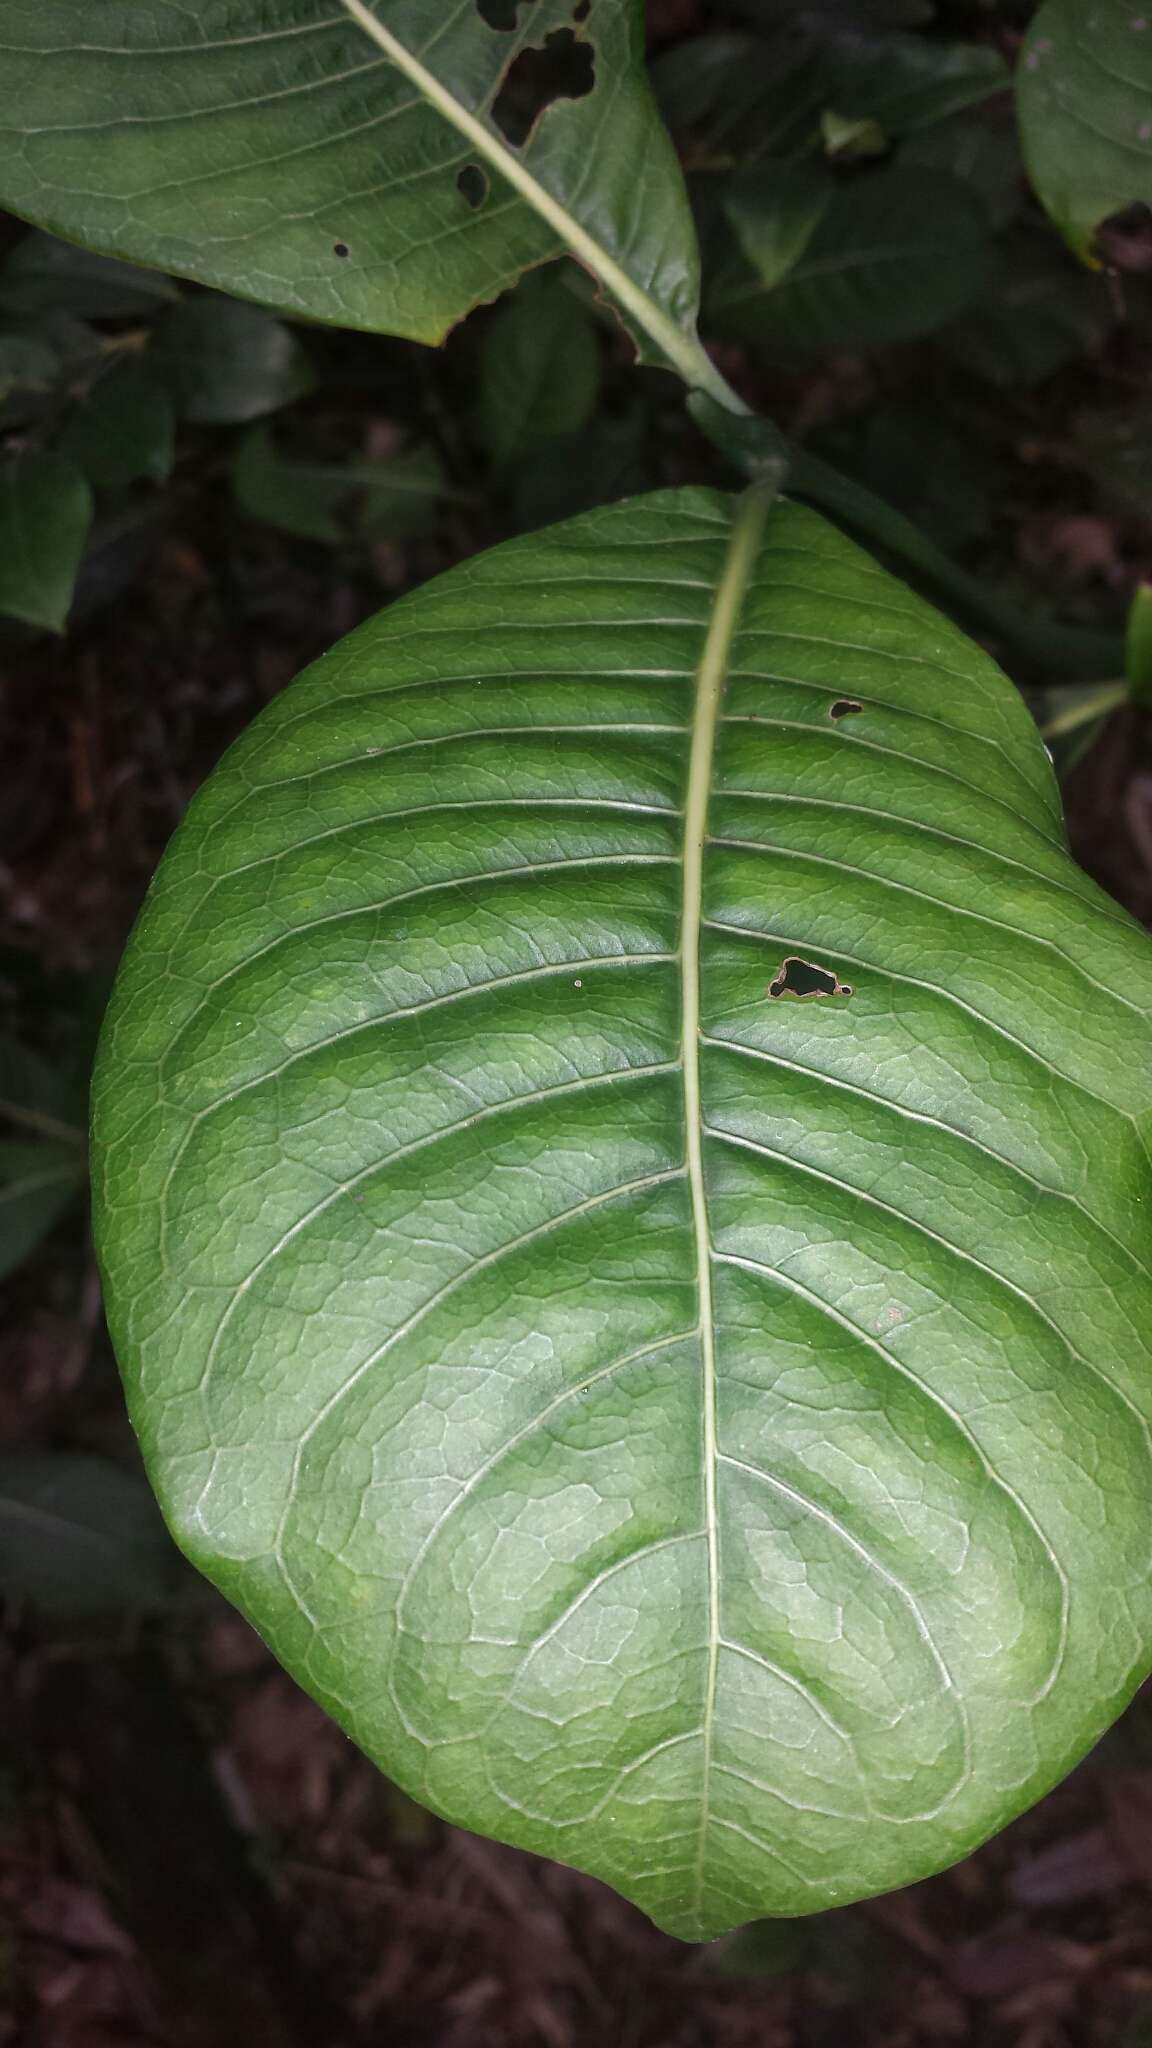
x=844 y=13
x=766 y=1948
x=775 y=209
x=38 y=1181
x=45 y=513
x=979 y=150
x=1039 y=310
x=1138 y=645
x=911 y=455
x=338 y=502
x=539 y=370
x=79 y=1536
x=742 y=94
x=1116 y=449
x=896 y=255
x=226 y=362
x=767 y=95
x=123 y=429
x=906 y=82
x=44 y=275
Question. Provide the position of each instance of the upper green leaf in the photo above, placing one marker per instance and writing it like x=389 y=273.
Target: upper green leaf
x=1084 y=91
x=347 y=162
x=622 y=1178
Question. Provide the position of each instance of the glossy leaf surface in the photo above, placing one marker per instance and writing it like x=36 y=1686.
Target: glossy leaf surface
x=623 y=1187
x=1084 y=91
x=344 y=162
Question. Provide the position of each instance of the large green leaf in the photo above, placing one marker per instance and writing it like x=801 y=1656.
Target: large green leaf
x=344 y=161
x=1084 y=91
x=623 y=1185
x=226 y=363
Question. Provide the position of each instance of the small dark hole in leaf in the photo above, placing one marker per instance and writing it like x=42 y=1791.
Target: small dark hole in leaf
x=499 y=14
x=472 y=185
x=341 y=249
x=582 y=10
x=802 y=978
x=562 y=69
x=844 y=706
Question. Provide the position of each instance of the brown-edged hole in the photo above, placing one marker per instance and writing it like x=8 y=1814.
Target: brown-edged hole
x=472 y=185
x=844 y=707
x=341 y=249
x=563 y=68
x=804 y=979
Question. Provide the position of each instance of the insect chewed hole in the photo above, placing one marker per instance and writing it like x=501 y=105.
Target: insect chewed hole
x=472 y=185
x=582 y=10
x=802 y=978
x=499 y=14
x=844 y=706
x=563 y=68
x=341 y=249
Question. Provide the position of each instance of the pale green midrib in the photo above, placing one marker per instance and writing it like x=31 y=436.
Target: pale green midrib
x=683 y=349
x=739 y=562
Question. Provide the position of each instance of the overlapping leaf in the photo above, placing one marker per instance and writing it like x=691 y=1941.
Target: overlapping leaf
x=623 y=1184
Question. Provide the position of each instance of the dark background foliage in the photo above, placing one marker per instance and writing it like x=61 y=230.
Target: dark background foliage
x=190 y=1854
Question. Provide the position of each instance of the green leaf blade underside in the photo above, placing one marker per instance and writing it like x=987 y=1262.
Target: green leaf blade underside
x=279 y=152
x=416 y=1184
x=1084 y=96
